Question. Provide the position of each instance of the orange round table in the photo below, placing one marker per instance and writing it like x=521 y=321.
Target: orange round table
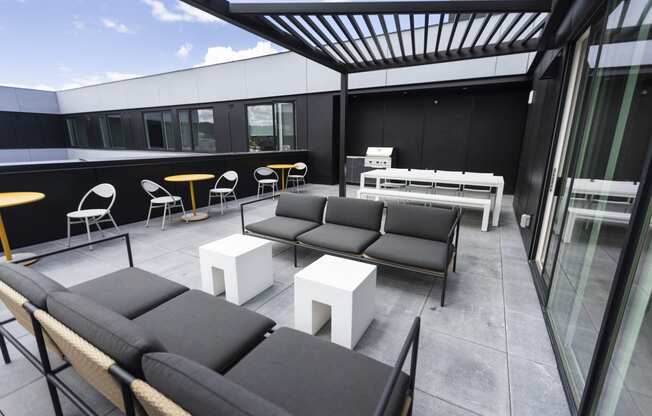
x=191 y=179
x=282 y=167
x=12 y=199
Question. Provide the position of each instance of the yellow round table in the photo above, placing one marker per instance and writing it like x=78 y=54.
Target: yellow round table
x=282 y=167
x=191 y=179
x=12 y=199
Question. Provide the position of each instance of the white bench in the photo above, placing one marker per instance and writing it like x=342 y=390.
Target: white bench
x=574 y=214
x=438 y=199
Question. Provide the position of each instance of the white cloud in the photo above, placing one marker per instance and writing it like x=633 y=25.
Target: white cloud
x=219 y=54
x=119 y=76
x=117 y=26
x=184 y=50
x=182 y=12
x=78 y=24
x=94 y=79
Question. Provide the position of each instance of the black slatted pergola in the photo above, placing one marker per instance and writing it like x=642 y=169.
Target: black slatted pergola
x=351 y=37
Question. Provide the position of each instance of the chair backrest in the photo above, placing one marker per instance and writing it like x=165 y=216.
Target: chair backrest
x=230 y=176
x=304 y=207
x=151 y=187
x=430 y=223
x=299 y=168
x=103 y=190
x=263 y=172
x=352 y=212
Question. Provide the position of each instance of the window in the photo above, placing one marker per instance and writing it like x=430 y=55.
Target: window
x=111 y=131
x=197 y=130
x=203 y=130
x=78 y=131
x=158 y=127
x=271 y=127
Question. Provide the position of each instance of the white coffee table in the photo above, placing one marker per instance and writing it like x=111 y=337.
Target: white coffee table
x=340 y=289
x=239 y=264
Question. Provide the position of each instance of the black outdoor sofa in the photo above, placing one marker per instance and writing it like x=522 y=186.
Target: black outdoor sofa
x=417 y=238
x=154 y=347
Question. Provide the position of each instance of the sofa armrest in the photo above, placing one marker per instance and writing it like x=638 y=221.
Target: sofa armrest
x=242 y=205
x=411 y=343
x=96 y=242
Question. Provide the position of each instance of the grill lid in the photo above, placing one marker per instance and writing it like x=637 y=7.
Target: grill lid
x=379 y=151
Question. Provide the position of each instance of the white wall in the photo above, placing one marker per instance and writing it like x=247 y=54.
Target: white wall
x=28 y=101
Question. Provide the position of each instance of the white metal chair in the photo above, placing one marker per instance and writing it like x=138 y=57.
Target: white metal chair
x=224 y=192
x=297 y=178
x=448 y=188
x=167 y=201
x=266 y=177
x=93 y=216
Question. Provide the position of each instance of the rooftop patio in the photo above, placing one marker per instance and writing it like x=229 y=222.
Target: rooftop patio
x=486 y=352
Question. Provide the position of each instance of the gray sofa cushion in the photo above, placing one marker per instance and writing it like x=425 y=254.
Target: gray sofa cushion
x=33 y=285
x=411 y=251
x=340 y=238
x=432 y=223
x=113 y=334
x=206 y=329
x=358 y=213
x=130 y=292
x=304 y=207
x=200 y=390
x=282 y=227
x=310 y=376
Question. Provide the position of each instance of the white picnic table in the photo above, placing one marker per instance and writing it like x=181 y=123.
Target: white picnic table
x=431 y=176
x=602 y=187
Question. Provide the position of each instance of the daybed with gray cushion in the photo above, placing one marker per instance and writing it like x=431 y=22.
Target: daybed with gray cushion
x=417 y=238
x=177 y=351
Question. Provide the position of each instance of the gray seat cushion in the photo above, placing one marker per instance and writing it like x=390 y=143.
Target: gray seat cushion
x=432 y=223
x=113 y=334
x=130 y=292
x=200 y=390
x=340 y=238
x=285 y=228
x=206 y=329
x=411 y=251
x=359 y=213
x=304 y=207
x=33 y=285
x=310 y=376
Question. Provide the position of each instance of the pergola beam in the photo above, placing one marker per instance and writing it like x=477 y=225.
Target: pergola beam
x=391 y=7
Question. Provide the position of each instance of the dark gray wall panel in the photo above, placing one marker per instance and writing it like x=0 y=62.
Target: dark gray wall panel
x=31 y=130
x=319 y=136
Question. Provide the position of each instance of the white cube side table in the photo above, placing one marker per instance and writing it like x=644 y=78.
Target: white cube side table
x=336 y=288
x=239 y=264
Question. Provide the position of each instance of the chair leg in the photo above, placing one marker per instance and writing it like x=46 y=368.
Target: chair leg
x=443 y=290
x=295 y=256
x=97 y=224
x=5 y=351
x=88 y=232
x=113 y=221
x=208 y=207
x=222 y=202
x=165 y=211
x=183 y=209
x=54 y=396
x=149 y=213
x=68 y=224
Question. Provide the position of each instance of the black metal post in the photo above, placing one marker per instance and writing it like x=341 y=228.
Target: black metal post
x=45 y=360
x=295 y=256
x=344 y=89
x=5 y=352
x=129 y=253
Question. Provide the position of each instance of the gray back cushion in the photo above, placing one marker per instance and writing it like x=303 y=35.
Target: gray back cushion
x=202 y=391
x=431 y=223
x=352 y=212
x=28 y=282
x=113 y=334
x=304 y=207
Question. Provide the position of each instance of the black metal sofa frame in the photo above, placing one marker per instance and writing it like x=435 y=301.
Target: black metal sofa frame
x=126 y=380
x=452 y=242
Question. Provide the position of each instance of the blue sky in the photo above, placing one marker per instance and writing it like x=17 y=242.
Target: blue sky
x=60 y=44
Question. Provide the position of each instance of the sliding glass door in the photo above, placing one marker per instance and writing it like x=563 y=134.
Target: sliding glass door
x=608 y=138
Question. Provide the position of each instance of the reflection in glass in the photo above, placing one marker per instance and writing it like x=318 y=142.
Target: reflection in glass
x=111 y=131
x=154 y=130
x=185 y=131
x=628 y=386
x=203 y=130
x=78 y=131
x=271 y=127
x=611 y=136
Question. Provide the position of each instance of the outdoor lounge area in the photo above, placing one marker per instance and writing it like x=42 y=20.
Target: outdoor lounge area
x=491 y=323
x=326 y=208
